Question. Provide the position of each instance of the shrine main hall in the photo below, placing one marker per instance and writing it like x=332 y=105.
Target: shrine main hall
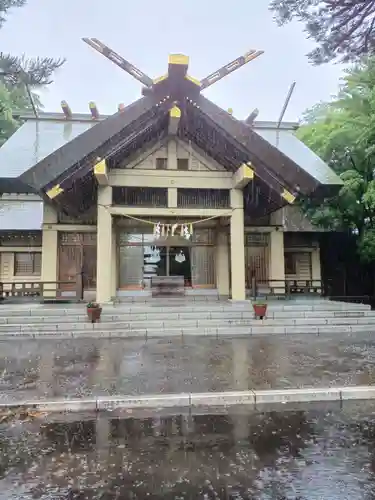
x=170 y=185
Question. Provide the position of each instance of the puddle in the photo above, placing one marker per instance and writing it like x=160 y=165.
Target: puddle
x=313 y=453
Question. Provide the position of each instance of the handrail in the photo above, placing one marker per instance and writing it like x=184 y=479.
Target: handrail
x=285 y=288
x=36 y=289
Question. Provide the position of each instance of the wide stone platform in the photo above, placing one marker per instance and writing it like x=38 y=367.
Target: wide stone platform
x=166 y=318
x=90 y=368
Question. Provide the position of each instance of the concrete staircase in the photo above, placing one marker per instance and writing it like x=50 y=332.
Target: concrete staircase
x=171 y=317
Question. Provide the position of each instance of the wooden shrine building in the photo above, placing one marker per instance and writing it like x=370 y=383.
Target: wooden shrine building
x=171 y=185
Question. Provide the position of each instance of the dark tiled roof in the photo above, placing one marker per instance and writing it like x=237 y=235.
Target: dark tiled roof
x=282 y=161
x=45 y=151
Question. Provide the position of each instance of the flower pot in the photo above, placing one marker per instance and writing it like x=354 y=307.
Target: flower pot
x=93 y=313
x=260 y=310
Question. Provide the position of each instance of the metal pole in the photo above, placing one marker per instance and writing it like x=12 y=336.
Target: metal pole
x=35 y=111
x=286 y=103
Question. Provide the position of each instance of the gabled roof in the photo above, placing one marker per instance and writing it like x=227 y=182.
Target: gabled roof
x=38 y=138
x=286 y=157
x=87 y=145
x=281 y=171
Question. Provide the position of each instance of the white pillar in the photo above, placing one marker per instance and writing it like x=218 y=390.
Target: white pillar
x=104 y=246
x=222 y=263
x=49 y=250
x=316 y=273
x=277 y=261
x=114 y=263
x=237 y=246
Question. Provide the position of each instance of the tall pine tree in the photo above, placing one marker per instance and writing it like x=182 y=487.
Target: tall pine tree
x=342 y=29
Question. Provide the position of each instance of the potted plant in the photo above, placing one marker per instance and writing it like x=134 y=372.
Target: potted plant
x=94 y=311
x=260 y=309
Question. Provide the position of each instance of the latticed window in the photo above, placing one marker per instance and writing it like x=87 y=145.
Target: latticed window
x=256 y=239
x=144 y=197
x=71 y=238
x=161 y=163
x=204 y=198
x=27 y=263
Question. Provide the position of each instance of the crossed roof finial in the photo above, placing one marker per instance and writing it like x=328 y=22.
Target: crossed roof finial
x=176 y=82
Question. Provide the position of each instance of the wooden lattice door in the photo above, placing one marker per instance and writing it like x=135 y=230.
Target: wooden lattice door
x=77 y=260
x=257 y=258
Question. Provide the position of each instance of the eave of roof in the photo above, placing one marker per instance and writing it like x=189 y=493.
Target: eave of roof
x=72 y=153
x=71 y=160
x=280 y=164
x=143 y=132
x=286 y=142
x=87 y=118
x=11 y=185
x=271 y=192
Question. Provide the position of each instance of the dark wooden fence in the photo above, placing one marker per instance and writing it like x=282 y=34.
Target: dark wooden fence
x=344 y=276
x=285 y=289
x=40 y=291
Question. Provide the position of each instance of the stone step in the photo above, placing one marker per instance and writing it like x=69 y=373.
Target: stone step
x=292 y=307
x=198 y=324
x=113 y=310
x=80 y=316
x=320 y=304
x=179 y=332
x=177 y=300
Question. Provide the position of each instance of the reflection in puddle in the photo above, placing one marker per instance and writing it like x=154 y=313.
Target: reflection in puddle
x=237 y=455
x=48 y=369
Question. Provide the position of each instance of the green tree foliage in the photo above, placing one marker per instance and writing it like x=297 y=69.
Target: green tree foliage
x=343 y=134
x=8 y=124
x=342 y=29
x=19 y=77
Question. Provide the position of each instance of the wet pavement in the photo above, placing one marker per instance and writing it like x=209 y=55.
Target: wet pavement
x=43 y=369
x=317 y=453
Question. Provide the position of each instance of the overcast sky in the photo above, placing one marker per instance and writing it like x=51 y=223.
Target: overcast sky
x=211 y=32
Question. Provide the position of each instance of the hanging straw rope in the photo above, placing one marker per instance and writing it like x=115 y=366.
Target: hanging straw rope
x=199 y=221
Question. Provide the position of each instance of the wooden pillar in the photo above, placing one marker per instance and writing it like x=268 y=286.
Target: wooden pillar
x=104 y=246
x=237 y=246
